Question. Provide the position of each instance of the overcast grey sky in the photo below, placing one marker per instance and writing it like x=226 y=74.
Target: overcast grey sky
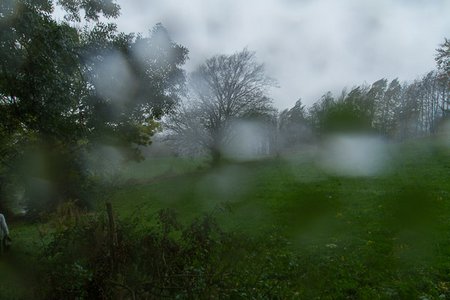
x=309 y=46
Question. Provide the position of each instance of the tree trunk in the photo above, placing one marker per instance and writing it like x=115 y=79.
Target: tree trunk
x=216 y=156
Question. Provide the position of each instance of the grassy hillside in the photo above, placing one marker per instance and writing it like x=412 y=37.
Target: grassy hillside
x=384 y=236
x=291 y=192
x=356 y=236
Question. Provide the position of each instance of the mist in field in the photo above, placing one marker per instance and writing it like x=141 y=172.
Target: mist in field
x=248 y=141
x=354 y=155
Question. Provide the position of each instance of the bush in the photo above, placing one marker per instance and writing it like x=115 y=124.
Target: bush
x=166 y=260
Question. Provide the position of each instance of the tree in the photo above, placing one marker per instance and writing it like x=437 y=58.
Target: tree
x=443 y=58
x=134 y=80
x=64 y=91
x=223 y=89
x=348 y=113
x=375 y=96
x=292 y=126
x=35 y=77
x=316 y=113
x=387 y=107
x=351 y=112
x=443 y=64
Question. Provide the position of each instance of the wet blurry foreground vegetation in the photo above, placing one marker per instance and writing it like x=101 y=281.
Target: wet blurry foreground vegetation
x=274 y=228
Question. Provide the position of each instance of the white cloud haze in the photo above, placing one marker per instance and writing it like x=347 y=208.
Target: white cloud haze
x=309 y=46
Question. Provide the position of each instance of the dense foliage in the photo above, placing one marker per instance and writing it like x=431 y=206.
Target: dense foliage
x=68 y=92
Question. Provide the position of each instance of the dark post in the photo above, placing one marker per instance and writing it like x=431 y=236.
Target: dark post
x=112 y=237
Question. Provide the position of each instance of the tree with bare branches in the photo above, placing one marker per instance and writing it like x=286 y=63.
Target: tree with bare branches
x=224 y=89
x=443 y=63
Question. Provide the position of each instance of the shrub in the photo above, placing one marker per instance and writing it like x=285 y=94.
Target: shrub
x=165 y=260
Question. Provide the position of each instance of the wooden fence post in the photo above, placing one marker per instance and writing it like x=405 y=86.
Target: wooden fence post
x=112 y=237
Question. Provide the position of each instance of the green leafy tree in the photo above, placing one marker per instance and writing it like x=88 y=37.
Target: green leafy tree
x=386 y=108
x=65 y=92
x=293 y=127
x=351 y=112
x=375 y=96
x=317 y=111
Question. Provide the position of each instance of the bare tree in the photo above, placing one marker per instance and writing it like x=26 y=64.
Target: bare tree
x=443 y=64
x=185 y=131
x=223 y=89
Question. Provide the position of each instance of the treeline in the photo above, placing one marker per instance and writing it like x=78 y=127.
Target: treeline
x=392 y=109
x=228 y=96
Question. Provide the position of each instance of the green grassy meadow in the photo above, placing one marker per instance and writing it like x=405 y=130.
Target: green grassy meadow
x=385 y=236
